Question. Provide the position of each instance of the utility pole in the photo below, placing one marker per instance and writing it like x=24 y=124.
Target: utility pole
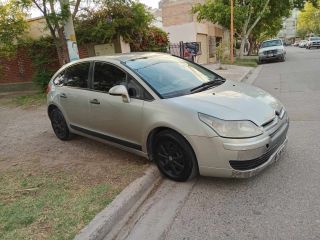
x=70 y=35
x=231 y=33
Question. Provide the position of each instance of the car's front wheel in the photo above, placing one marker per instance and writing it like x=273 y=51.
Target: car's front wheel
x=59 y=125
x=174 y=156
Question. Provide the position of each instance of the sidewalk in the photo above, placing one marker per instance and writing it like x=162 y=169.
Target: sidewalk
x=230 y=72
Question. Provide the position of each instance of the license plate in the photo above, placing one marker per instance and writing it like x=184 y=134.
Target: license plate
x=270 y=55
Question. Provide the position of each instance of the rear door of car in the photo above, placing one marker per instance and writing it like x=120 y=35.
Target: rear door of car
x=74 y=94
x=110 y=117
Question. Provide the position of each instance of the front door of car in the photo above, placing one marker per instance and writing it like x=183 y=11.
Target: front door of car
x=118 y=121
x=73 y=94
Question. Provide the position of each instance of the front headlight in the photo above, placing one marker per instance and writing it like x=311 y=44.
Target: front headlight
x=231 y=129
x=280 y=51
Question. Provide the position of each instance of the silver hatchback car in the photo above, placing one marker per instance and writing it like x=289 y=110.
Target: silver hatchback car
x=185 y=118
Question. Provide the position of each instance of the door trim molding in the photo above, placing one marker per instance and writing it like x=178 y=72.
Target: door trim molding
x=107 y=137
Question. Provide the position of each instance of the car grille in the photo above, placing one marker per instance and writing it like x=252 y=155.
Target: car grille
x=253 y=163
x=270 y=52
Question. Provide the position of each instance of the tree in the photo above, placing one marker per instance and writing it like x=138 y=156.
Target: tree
x=248 y=14
x=309 y=20
x=12 y=27
x=115 y=18
x=56 y=13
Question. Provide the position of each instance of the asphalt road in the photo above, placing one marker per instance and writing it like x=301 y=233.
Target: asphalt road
x=283 y=202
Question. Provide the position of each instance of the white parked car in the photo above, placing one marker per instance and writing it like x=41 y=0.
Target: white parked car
x=272 y=50
x=303 y=44
x=313 y=42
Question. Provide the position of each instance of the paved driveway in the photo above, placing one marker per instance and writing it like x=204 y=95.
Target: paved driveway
x=284 y=201
x=281 y=203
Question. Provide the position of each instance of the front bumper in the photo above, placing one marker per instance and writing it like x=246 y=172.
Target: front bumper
x=239 y=158
x=276 y=56
x=314 y=45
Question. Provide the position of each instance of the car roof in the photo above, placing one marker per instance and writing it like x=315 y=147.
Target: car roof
x=275 y=39
x=121 y=57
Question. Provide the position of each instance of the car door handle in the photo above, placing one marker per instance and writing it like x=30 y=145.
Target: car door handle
x=94 y=101
x=63 y=95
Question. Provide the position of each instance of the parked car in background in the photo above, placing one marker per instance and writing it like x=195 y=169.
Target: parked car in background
x=184 y=117
x=313 y=42
x=303 y=43
x=296 y=44
x=272 y=50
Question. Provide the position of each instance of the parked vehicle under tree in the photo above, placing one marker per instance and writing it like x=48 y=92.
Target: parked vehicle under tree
x=185 y=118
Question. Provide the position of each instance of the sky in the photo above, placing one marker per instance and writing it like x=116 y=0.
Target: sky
x=150 y=3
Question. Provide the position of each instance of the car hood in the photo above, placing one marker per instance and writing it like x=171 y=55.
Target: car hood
x=233 y=101
x=271 y=48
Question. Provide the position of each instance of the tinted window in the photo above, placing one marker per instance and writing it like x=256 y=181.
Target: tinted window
x=171 y=76
x=59 y=79
x=271 y=43
x=106 y=76
x=135 y=90
x=77 y=75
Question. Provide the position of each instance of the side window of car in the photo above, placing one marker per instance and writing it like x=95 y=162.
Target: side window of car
x=59 y=79
x=106 y=76
x=135 y=90
x=77 y=75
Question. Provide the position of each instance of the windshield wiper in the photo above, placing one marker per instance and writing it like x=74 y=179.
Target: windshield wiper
x=207 y=85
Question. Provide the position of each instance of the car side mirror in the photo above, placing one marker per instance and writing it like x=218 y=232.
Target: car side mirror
x=120 y=90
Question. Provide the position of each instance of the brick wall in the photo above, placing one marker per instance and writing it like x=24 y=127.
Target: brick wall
x=18 y=69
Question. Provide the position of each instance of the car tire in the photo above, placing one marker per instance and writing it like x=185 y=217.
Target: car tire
x=174 y=156
x=59 y=125
x=283 y=59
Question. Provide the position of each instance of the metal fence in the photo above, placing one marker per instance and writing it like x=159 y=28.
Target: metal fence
x=186 y=50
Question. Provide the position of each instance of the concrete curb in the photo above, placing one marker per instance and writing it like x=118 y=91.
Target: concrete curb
x=246 y=75
x=252 y=76
x=110 y=220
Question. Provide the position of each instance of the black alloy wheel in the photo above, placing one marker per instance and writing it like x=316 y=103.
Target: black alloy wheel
x=174 y=156
x=59 y=125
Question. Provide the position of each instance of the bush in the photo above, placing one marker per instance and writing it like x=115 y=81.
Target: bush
x=44 y=59
x=153 y=39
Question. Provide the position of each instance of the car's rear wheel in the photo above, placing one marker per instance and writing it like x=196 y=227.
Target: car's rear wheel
x=174 y=156
x=59 y=125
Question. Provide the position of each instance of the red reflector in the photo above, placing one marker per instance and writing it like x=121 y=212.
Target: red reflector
x=48 y=89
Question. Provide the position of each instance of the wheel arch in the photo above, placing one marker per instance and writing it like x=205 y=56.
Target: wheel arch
x=152 y=134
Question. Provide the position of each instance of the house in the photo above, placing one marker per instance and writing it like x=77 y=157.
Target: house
x=182 y=25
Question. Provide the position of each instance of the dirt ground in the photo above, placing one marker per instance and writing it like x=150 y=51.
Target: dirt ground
x=27 y=142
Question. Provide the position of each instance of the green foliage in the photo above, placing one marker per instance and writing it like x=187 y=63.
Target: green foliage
x=29 y=100
x=115 y=18
x=245 y=12
x=12 y=26
x=153 y=39
x=48 y=206
x=300 y=3
x=44 y=59
x=309 y=20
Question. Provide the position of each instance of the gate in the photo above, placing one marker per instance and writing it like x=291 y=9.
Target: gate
x=187 y=50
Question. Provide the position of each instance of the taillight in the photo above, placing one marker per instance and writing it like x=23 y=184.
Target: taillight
x=48 y=88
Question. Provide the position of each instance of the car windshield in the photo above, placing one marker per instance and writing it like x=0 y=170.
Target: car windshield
x=170 y=76
x=271 y=43
x=314 y=38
